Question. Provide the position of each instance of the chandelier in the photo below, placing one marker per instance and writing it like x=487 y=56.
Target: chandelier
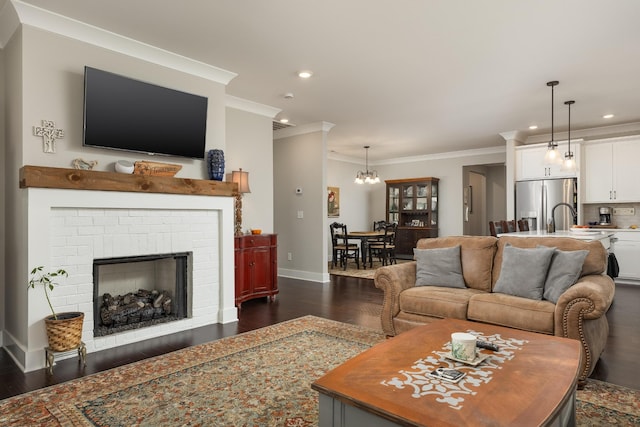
x=369 y=177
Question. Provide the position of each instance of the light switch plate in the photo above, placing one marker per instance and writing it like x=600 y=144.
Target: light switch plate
x=300 y=214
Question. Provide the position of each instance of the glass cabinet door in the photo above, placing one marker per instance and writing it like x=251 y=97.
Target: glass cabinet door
x=421 y=197
x=394 y=204
x=407 y=198
x=434 y=198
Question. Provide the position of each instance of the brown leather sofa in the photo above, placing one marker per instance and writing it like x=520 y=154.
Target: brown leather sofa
x=579 y=312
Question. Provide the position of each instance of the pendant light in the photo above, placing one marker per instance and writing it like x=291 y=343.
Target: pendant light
x=553 y=155
x=369 y=177
x=569 y=163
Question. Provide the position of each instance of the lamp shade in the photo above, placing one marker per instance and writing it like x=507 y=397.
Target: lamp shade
x=242 y=179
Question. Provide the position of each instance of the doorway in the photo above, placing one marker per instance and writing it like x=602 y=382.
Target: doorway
x=484 y=197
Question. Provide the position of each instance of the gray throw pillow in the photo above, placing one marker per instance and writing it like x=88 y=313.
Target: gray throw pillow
x=439 y=267
x=523 y=271
x=563 y=273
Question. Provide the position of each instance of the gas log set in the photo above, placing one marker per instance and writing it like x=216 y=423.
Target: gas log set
x=133 y=308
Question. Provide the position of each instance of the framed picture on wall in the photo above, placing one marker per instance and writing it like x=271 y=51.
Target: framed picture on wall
x=333 y=201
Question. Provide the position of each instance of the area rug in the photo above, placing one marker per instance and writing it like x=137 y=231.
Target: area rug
x=262 y=377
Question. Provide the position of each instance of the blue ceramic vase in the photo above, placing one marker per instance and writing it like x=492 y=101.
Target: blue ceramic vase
x=215 y=164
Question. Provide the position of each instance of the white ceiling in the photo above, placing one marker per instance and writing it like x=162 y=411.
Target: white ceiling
x=408 y=77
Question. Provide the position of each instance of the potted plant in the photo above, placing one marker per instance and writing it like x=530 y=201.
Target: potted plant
x=64 y=330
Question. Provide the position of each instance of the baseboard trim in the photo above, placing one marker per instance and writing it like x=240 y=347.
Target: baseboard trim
x=304 y=275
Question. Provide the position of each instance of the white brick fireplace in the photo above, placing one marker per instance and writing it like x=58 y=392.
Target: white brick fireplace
x=70 y=228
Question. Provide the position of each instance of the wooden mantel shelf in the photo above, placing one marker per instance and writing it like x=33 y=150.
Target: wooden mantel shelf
x=79 y=179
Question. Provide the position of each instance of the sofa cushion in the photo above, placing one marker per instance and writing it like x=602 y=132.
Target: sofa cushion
x=439 y=267
x=476 y=257
x=436 y=301
x=513 y=312
x=524 y=271
x=594 y=263
x=563 y=273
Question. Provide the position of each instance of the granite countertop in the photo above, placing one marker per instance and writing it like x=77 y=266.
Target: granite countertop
x=588 y=234
x=616 y=230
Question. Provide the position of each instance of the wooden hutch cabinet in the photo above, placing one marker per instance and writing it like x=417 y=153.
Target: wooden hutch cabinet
x=256 y=267
x=413 y=205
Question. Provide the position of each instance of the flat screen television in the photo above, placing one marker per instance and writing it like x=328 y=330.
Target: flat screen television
x=127 y=114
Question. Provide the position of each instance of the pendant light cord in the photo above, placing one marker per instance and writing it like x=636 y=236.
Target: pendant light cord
x=569 y=103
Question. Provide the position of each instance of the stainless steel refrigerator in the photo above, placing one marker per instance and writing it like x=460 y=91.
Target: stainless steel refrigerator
x=535 y=201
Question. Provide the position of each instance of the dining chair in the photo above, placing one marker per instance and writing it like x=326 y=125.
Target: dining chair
x=495 y=228
x=509 y=226
x=379 y=225
x=523 y=225
x=342 y=249
x=385 y=250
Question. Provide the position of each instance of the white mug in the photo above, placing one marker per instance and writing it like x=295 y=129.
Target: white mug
x=463 y=346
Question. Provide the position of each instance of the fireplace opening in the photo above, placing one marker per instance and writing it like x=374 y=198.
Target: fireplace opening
x=139 y=291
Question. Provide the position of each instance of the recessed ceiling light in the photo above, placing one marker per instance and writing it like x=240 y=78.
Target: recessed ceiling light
x=533 y=127
x=305 y=74
x=284 y=120
x=607 y=116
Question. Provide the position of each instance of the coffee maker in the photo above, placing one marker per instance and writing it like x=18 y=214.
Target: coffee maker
x=605 y=216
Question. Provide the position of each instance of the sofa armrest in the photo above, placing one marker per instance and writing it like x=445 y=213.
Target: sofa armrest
x=580 y=314
x=393 y=279
x=589 y=298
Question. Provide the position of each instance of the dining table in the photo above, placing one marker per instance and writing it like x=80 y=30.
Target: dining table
x=364 y=237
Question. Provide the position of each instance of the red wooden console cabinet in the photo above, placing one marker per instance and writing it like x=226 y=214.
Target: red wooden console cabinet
x=256 y=262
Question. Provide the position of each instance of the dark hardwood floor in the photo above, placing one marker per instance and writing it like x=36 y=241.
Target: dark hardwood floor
x=344 y=299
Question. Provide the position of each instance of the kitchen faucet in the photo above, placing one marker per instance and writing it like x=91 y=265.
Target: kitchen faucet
x=553 y=215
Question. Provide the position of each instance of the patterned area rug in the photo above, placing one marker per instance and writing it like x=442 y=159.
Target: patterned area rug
x=261 y=377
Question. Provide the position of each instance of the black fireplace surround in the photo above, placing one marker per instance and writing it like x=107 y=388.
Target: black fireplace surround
x=139 y=308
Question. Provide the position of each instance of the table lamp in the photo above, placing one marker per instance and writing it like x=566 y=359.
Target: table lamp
x=242 y=179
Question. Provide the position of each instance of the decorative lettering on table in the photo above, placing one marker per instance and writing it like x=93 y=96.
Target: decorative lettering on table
x=49 y=134
x=417 y=379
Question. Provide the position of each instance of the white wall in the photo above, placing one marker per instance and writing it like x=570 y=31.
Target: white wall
x=53 y=77
x=300 y=161
x=354 y=198
x=14 y=298
x=249 y=145
x=447 y=167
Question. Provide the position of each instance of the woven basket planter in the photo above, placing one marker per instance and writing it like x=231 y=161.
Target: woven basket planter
x=65 y=333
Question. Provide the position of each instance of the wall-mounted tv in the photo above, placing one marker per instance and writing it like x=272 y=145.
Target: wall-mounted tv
x=127 y=114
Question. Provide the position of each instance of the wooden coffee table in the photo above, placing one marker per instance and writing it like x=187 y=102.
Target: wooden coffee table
x=531 y=381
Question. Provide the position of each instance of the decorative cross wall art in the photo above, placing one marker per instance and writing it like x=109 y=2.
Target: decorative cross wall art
x=49 y=134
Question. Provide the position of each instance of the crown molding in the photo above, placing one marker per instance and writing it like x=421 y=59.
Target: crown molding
x=448 y=155
x=251 y=106
x=303 y=129
x=600 y=132
x=68 y=27
x=426 y=157
x=514 y=135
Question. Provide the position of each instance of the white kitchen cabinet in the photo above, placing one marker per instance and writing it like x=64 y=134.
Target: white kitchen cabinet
x=627 y=251
x=530 y=162
x=610 y=171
